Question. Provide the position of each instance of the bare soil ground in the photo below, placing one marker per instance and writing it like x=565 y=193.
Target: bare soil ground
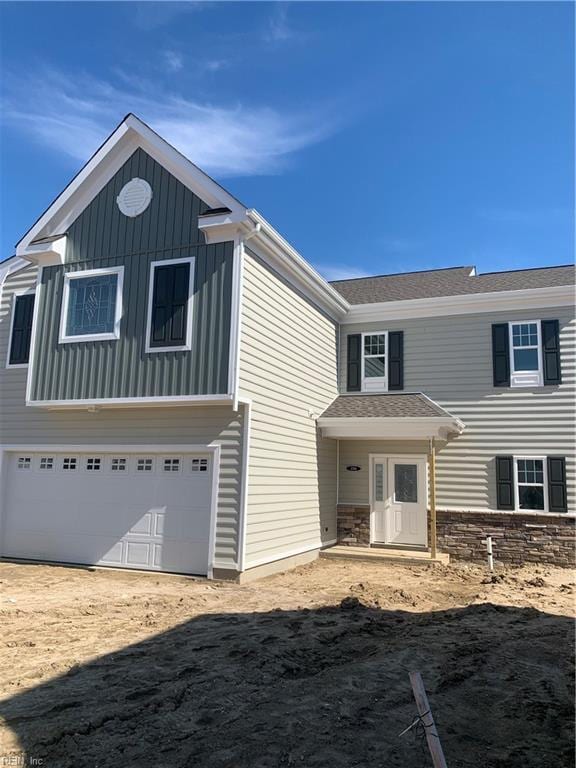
x=309 y=668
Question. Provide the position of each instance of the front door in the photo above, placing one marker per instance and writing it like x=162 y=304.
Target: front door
x=399 y=500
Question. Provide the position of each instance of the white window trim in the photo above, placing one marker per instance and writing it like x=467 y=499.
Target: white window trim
x=189 y=306
x=544 y=460
x=15 y=295
x=381 y=382
x=64 y=338
x=526 y=378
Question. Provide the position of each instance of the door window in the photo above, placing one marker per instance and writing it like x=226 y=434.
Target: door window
x=406 y=483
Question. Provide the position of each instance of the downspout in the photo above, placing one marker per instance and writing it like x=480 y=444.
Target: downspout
x=432 y=460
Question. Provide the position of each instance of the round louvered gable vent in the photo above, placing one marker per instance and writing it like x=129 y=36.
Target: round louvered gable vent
x=134 y=197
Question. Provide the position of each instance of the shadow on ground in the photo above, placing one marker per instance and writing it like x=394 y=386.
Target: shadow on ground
x=325 y=687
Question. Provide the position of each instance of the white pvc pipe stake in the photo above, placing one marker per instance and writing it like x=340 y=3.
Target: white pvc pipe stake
x=489 y=551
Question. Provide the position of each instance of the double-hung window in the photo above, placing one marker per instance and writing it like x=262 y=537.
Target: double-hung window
x=531 y=483
x=525 y=354
x=169 y=326
x=374 y=363
x=92 y=305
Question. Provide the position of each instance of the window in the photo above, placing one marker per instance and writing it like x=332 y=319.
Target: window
x=406 y=483
x=199 y=465
x=92 y=305
x=21 y=330
x=118 y=465
x=144 y=465
x=171 y=465
x=46 y=462
x=69 y=462
x=531 y=482
x=24 y=462
x=93 y=464
x=374 y=371
x=169 y=326
x=525 y=354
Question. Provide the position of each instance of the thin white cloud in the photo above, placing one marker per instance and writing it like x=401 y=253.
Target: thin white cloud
x=277 y=28
x=173 y=61
x=340 y=272
x=74 y=115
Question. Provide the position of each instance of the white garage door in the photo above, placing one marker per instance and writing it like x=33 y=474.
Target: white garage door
x=126 y=510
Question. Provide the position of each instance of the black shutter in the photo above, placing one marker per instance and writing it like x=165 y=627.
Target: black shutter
x=22 y=329
x=504 y=482
x=354 y=373
x=557 y=498
x=501 y=355
x=170 y=305
x=396 y=360
x=551 y=351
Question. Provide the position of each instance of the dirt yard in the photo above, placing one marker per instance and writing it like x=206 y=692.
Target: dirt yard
x=310 y=668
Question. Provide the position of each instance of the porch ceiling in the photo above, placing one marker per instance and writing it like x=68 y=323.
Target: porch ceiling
x=409 y=416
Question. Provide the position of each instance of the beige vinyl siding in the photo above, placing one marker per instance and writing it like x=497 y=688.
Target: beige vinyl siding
x=450 y=359
x=186 y=425
x=288 y=369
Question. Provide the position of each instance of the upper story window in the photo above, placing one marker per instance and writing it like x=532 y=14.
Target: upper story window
x=169 y=326
x=375 y=361
x=92 y=305
x=374 y=371
x=526 y=357
x=20 y=330
x=526 y=353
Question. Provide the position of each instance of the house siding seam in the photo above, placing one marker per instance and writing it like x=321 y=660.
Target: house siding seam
x=103 y=237
x=288 y=369
x=510 y=421
x=198 y=425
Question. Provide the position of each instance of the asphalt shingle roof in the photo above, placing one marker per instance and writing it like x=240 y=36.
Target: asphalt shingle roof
x=456 y=281
x=388 y=405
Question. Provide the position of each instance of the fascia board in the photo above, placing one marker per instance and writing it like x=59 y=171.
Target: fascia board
x=476 y=303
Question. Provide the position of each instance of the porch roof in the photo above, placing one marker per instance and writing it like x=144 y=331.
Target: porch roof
x=390 y=415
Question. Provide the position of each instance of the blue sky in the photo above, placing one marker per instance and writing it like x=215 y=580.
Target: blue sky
x=377 y=137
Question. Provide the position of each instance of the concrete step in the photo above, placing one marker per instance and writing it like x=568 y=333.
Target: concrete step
x=388 y=555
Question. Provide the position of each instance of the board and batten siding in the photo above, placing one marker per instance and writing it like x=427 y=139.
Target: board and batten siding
x=288 y=369
x=182 y=425
x=102 y=237
x=450 y=360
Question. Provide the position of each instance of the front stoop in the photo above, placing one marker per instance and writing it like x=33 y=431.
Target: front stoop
x=388 y=555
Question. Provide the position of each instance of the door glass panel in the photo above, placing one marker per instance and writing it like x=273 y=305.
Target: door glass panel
x=378 y=482
x=405 y=483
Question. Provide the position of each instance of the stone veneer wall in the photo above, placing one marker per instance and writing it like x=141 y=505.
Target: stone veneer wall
x=353 y=525
x=516 y=538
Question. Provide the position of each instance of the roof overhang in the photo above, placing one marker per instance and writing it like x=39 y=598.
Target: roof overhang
x=382 y=428
x=466 y=304
x=269 y=244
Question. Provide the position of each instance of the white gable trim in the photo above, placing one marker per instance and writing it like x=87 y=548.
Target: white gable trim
x=131 y=134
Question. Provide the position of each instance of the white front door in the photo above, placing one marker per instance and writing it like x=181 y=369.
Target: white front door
x=399 y=500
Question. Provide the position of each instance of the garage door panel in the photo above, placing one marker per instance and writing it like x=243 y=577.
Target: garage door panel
x=155 y=517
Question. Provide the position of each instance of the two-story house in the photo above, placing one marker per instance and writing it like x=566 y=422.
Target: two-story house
x=181 y=391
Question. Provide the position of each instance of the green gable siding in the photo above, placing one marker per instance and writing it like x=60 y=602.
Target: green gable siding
x=103 y=237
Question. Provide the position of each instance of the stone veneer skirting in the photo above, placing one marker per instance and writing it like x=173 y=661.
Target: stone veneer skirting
x=517 y=538
x=353 y=525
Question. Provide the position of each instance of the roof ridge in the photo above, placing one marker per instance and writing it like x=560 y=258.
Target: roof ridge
x=401 y=274
x=526 y=269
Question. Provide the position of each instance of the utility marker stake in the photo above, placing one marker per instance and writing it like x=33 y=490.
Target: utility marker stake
x=489 y=551
x=427 y=720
